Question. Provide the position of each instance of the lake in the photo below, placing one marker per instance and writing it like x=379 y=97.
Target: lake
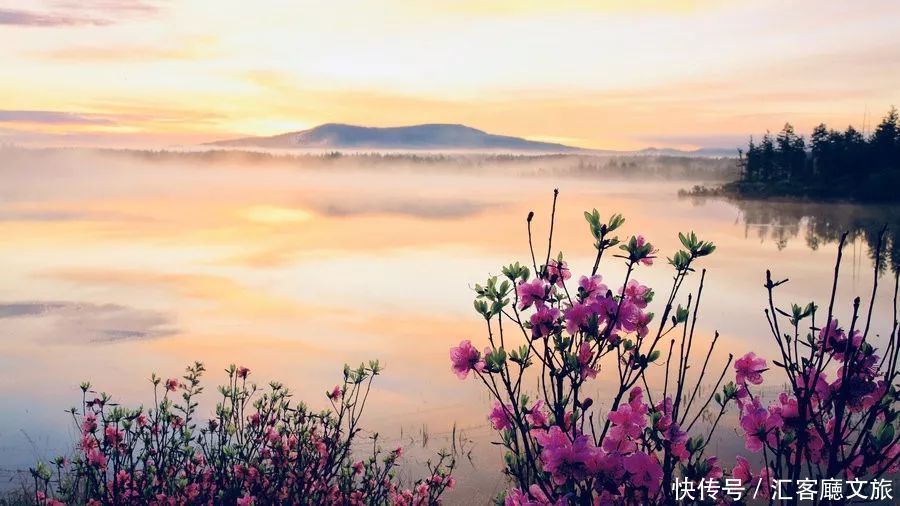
x=115 y=267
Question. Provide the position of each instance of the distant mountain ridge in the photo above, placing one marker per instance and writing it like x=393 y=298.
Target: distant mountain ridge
x=427 y=136
x=430 y=136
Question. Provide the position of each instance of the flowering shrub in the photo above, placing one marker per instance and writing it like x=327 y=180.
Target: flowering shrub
x=561 y=451
x=258 y=448
x=559 y=334
x=837 y=418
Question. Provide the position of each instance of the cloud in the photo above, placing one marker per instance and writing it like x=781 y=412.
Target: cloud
x=17 y=17
x=79 y=13
x=64 y=215
x=80 y=54
x=190 y=48
x=52 y=118
x=136 y=7
x=82 y=322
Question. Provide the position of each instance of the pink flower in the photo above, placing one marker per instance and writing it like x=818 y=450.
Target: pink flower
x=742 y=471
x=96 y=458
x=543 y=321
x=558 y=272
x=246 y=500
x=759 y=426
x=591 y=287
x=629 y=316
x=499 y=417
x=113 y=435
x=242 y=372
x=630 y=418
x=564 y=458
x=640 y=241
x=465 y=358
x=171 y=384
x=585 y=357
x=636 y=293
x=335 y=393
x=714 y=470
x=578 y=315
x=534 y=497
x=628 y=422
x=645 y=471
x=88 y=423
x=536 y=416
x=533 y=292
x=749 y=368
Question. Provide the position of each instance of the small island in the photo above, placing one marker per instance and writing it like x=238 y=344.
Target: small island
x=833 y=165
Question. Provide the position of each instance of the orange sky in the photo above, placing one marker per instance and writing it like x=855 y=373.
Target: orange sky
x=607 y=74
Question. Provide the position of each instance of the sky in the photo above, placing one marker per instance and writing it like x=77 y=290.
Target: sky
x=617 y=74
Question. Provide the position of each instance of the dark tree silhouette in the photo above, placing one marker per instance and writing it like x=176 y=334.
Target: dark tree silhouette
x=848 y=164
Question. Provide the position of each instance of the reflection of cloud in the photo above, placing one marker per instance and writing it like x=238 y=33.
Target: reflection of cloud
x=83 y=322
x=51 y=117
x=427 y=209
x=228 y=296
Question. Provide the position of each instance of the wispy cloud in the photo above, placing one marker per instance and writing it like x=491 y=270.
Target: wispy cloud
x=52 y=118
x=194 y=48
x=65 y=215
x=18 y=17
x=79 y=13
x=136 y=7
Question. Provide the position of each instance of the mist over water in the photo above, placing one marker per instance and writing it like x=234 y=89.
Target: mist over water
x=116 y=265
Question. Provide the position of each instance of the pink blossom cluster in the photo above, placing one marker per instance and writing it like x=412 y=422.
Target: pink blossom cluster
x=836 y=418
x=259 y=448
x=559 y=450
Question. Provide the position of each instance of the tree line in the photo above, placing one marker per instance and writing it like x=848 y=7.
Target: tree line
x=848 y=164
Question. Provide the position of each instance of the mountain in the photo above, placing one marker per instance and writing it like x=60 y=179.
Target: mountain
x=426 y=137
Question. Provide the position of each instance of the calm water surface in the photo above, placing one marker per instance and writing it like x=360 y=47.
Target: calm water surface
x=114 y=268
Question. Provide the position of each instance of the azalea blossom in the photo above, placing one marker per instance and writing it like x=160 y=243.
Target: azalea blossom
x=499 y=417
x=749 y=368
x=558 y=272
x=536 y=416
x=543 y=321
x=592 y=287
x=636 y=293
x=645 y=471
x=533 y=292
x=465 y=358
x=585 y=357
x=759 y=426
x=565 y=458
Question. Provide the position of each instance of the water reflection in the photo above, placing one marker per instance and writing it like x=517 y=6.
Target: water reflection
x=821 y=224
x=116 y=267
